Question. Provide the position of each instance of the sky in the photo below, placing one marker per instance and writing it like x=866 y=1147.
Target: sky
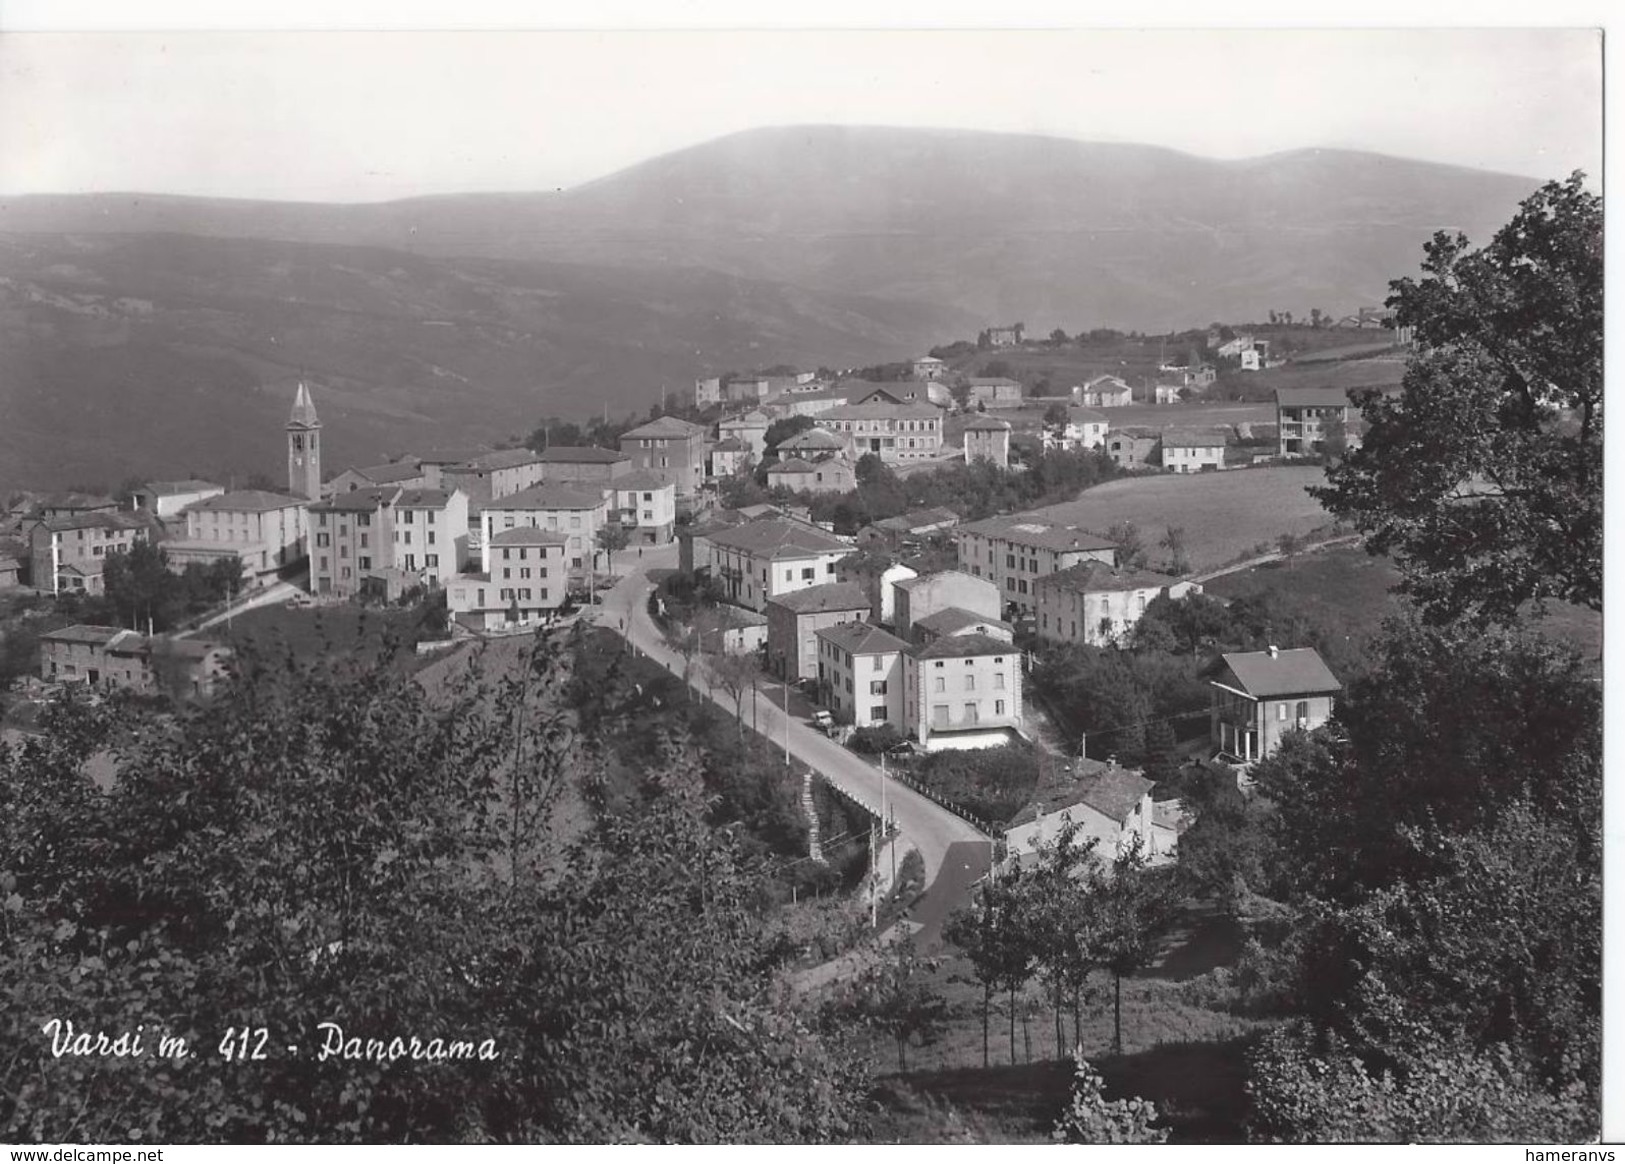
x=368 y=115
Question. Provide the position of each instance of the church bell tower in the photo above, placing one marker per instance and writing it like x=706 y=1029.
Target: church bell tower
x=304 y=448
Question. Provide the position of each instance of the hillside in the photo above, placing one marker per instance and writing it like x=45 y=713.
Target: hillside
x=1002 y=226
x=168 y=355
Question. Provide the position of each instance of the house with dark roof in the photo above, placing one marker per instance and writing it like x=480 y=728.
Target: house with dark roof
x=109 y=657
x=925 y=595
x=1103 y=392
x=408 y=473
x=1105 y=804
x=987 y=438
x=1257 y=697
x=832 y=474
x=1307 y=418
x=1097 y=605
x=995 y=392
x=352 y=541
x=1134 y=447
x=763 y=559
x=795 y=618
x=963 y=690
x=895 y=433
x=954 y=620
x=68 y=553
x=861 y=674
x=672 y=445
x=1193 y=450
x=266 y=532
x=522 y=580
x=582 y=465
x=1014 y=551
x=644 y=504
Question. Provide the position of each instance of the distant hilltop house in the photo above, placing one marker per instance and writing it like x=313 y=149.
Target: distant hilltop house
x=1006 y=337
x=1257 y=697
x=673 y=446
x=1103 y=392
x=582 y=464
x=1166 y=393
x=707 y=391
x=927 y=368
x=750 y=429
x=1378 y=317
x=68 y=554
x=1307 y=419
x=1134 y=447
x=995 y=391
x=1085 y=428
x=1252 y=353
x=1193 y=450
x=826 y=475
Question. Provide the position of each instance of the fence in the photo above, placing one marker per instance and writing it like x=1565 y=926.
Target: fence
x=964 y=814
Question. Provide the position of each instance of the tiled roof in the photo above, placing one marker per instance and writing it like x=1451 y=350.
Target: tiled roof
x=729 y=445
x=1321 y=397
x=424 y=499
x=1194 y=438
x=245 y=501
x=548 y=496
x=1114 y=383
x=988 y=424
x=528 y=536
x=650 y=479
x=812 y=438
x=83 y=633
x=910 y=584
x=880 y=410
x=862 y=638
x=777 y=538
x=966 y=646
x=820 y=599
x=74 y=501
x=391 y=473
x=793 y=466
x=451 y=456
x=170 y=488
x=580 y=455
x=994 y=382
x=668 y=427
x=505 y=459
x=1098 y=577
x=953 y=619
x=1300 y=671
x=1080 y=415
x=1039 y=534
x=95 y=521
x=356 y=501
x=1106 y=788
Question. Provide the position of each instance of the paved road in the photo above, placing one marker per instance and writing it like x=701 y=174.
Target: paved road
x=924 y=825
x=276 y=592
x=1249 y=563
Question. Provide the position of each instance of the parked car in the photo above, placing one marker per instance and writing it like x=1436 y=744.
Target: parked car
x=824 y=721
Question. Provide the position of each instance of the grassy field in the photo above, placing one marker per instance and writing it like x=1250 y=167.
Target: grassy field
x=1359 y=587
x=1224 y=515
x=1188 y=1059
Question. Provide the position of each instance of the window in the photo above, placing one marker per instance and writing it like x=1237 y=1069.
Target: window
x=431 y=534
x=364 y=562
x=363 y=519
x=648 y=496
x=998 y=681
x=942 y=683
x=430 y=516
x=1303 y=711
x=406 y=517
x=431 y=560
x=506 y=573
x=877 y=687
x=829 y=567
x=970 y=681
x=363 y=541
x=939 y=715
x=344 y=572
x=322 y=521
x=408 y=536
x=1010 y=561
x=1280 y=712
x=970 y=713
x=321 y=563
x=877 y=713
x=507 y=554
x=524 y=571
x=807 y=574
x=998 y=707
x=322 y=539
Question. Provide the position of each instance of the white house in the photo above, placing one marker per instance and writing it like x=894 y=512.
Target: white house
x=644 y=503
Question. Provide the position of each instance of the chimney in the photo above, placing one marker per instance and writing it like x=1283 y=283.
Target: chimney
x=1275 y=651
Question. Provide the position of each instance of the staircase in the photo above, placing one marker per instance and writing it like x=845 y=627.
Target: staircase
x=814 y=850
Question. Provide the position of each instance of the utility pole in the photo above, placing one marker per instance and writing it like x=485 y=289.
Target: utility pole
x=787 y=717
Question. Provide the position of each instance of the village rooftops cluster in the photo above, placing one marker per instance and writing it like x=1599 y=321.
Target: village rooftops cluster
x=1037 y=534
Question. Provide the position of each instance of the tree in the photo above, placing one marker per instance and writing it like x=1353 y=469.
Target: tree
x=735 y=674
x=1058 y=337
x=141 y=587
x=893 y=994
x=1000 y=951
x=960 y=391
x=1130 y=546
x=1174 y=542
x=1134 y=906
x=1483 y=479
x=784 y=428
x=612 y=539
x=1055 y=417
